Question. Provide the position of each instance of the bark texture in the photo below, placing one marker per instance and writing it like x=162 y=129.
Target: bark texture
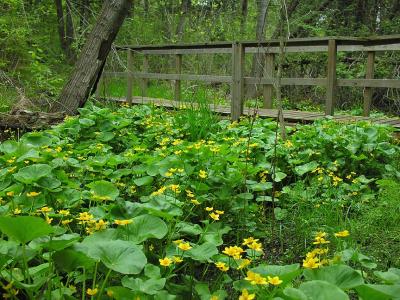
x=92 y=57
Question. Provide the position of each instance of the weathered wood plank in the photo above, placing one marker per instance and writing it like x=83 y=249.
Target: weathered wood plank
x=331 y=78
x=145 y=81
x=269 y=70
x=178 y=69
x=129 y=86
x=375 y=83
x=368 y=91
x=237 y=81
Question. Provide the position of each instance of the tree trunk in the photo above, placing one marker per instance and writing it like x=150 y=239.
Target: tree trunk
x=60 y=24
x=92 y=57
x=185 y=7
x=243 y=17
x=69 y=31
x=257 y=64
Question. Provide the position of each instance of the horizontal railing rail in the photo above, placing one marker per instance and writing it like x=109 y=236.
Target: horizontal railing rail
x=331 y=45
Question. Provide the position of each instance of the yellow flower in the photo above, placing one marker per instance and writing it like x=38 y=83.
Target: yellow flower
x=48 y=220
x=189 y=193
x=123 y=222
x=100 y=225
x=64 y=212
x=165 y=262
x=343 y=233
x=255 y=278
x=45 y=210
x=244 y=263
x=246 y=296
x=209 y=208
x=195 y=202
x=220 y=212
x=92 y=292
x=168 y=174
x=235 y=252
x=85 y=217
x=214 y=297
x=110 y=293
x=184 y=246
x=320 y=240
x=175 y=188
x=274 y=280
x=67 y=221
x=249 y=240
x=10 y=194
x=177 y=259
x=17 y=211
x=202 y=174
x=33 y=194
x=255 y=246
x=311 y=263
x=176 y=242
x=214 y=216
x=222 y=266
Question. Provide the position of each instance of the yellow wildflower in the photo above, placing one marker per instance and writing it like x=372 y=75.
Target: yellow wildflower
x=184 y=246
x=195 y=202
x=343 y=233
x=100 y=225
x=222 y=266
x=92 y=292
x=320 y=240
x=246 y=296
x=165 y=262
x=10 y=194
x=66 y=222
x=214 y=216
x=189 y=193
x=175 y=188
x=177 y=242
x=177 y=259
x=45 y=210
x=33 y=194
x=17 y=211
x=311 y=263
x=209 y=208
x=123 y=222
x=255 y=246
x=220 y=212
x=244 y=263
x=202 y=174
x=249 y=240
x=274 y=280
x=255 y=278
x=64 y=212
x=235 y=251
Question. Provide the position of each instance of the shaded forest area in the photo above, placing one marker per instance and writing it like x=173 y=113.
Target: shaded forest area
x=40 y=41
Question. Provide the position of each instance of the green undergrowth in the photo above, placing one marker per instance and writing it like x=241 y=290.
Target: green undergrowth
x=138 y=202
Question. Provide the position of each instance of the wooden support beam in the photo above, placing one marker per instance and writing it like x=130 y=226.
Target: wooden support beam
x=331 y=78
x=129 y=87
x=269 y=69
x=178 y=68
x=368 y=91
x=145 y=81
x=237 y=81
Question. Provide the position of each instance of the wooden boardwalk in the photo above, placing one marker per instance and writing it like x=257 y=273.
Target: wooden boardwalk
x=291 y=116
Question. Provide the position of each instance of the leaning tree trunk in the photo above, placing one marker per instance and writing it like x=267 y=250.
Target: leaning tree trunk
x=92 y=57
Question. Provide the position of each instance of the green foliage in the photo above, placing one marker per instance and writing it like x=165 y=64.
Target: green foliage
x=142 y=202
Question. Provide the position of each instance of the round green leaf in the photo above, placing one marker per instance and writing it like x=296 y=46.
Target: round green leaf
x=145 y=227
x=32 y=173
x=322 y=290
x=25 y=228
x=104 y=190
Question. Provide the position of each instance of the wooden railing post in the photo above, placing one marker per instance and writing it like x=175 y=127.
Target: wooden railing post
x=269 y=69
x=368 y=91
x=144 y=81
x=178 y=66
x=129 y=87
x=331 y=78
x=237 y=81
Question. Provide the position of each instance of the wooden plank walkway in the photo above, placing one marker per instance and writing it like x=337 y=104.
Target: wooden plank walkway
x=292 y=116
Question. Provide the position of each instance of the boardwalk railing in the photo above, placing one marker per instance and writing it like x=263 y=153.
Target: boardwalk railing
x=268 y=49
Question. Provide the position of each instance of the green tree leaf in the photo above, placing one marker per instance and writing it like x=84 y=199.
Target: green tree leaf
x=322 y=290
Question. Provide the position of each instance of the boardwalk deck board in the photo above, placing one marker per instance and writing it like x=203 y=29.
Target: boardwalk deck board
x=291 y=116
